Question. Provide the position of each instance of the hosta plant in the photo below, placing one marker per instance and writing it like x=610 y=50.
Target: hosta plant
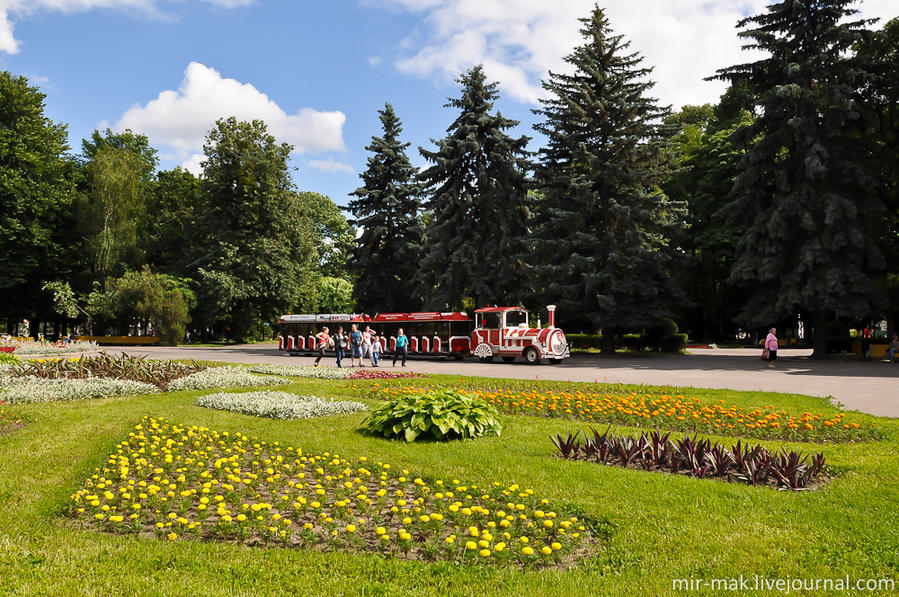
x=438 y=415
x=695 y=457
x=278 y=405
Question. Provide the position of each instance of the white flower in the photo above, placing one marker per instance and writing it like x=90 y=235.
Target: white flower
x=278 y=405
x=297 y=371
x=16 y=390
x=223 y=377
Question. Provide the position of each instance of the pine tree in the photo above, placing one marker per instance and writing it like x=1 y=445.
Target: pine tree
x=386 y=255
x=805 y=189
x=604 y=224
x=478 y=204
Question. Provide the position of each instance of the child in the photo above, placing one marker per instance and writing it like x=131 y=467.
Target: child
x=375 y=350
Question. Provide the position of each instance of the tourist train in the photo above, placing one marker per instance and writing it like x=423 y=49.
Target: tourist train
x=493 y=332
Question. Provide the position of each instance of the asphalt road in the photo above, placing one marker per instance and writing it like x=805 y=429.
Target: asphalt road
x=871 y=387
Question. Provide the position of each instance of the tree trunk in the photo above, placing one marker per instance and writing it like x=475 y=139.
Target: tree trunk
x=608 y=342
x=820 y=345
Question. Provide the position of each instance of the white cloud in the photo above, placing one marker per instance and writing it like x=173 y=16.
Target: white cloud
x=518 y=41
x=194 y=164
x=17 y=10
x=329 y=166
x=374 y=60
x=178 y=120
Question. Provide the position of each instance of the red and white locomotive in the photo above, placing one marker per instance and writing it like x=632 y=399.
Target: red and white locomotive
x=494 y=332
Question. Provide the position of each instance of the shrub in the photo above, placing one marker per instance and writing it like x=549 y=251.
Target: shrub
x=224 y=377
x=444 y=414
x=278 y=405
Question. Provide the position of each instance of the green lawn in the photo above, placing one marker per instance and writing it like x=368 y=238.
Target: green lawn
x=662 y=527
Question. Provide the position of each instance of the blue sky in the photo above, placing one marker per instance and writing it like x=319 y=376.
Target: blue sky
x=319 y=71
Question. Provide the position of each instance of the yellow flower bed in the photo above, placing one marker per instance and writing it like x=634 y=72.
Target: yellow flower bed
x=669 y=411
x=192 y=482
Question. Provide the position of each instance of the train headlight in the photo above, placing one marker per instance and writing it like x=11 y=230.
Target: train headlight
x=557 y=343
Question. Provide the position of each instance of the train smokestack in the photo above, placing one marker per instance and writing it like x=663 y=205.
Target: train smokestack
x=552 y=315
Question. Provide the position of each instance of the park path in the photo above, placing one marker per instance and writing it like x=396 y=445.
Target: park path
x=871 y=387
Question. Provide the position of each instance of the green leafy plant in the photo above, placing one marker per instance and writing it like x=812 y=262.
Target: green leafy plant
x=8 y=359
x=439 y=415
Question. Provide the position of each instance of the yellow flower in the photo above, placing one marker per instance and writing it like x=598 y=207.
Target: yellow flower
x=527 y=550
x=499 y=546
x=485 y=552
x=172 y=536
x=350 y=528
x=471 y=545
x=556 y=545
x=545 y=550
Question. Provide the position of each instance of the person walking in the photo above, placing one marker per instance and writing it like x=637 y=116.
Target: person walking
x=322 y=340
x=355 y=345
x=375 y=350
x=894 y=348
x=366 y=345
x=771 y=346
x=402 y=347
x=340 y=345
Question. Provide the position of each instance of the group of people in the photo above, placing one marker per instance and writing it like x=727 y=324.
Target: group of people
x=769 y=353
x=359 y=345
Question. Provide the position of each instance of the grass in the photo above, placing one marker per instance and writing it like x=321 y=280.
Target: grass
x=661 y=526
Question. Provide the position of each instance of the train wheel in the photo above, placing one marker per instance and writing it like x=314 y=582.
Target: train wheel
x=508 y=359
x=532 y=356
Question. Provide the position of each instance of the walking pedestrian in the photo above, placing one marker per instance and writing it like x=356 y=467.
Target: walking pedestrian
x=355 y=345
x=375 y=350
x=402 y=347
x=366 y=345
x=340 y=345
x=771 y=346
x=322 y=338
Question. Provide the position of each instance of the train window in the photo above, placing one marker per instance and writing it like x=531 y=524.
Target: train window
x=489 y=320
x=516 y=318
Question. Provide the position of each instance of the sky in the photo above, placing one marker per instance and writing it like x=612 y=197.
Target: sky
x=317 y=72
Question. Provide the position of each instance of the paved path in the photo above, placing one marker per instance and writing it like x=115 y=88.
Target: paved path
x=871 y=387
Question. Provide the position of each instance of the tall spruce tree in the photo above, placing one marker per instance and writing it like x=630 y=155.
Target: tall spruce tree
x=806 y=187
x=478 y=204
x=604 y=223
x=386 y=255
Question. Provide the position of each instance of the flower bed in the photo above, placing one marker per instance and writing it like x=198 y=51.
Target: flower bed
x=678 y=413
x=192 y=482
x=224 y=377
x=300 y=371
x=364 y=374
x=52 y=348
x=19 y=390
x=124 y=367
x=696 y=458
x=278 y=405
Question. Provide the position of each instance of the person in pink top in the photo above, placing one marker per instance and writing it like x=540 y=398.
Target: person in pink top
x=771 y=346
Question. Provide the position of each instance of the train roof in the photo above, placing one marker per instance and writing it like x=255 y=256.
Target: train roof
x=422 y=316
x=324 y=317
x=498 y=309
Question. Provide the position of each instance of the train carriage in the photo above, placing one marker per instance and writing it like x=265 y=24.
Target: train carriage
x=494 y=331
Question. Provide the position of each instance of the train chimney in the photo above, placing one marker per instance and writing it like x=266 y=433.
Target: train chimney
x=552 y=315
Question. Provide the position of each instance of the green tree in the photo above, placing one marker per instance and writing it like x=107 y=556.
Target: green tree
x=36 y=194
x=386 y=209
x=605 y=225
x=707 y=159
x=335 y=295
x=172 y=232
x=334 y=237
x=478 y=204
x=806 y=189
x=260 y=260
